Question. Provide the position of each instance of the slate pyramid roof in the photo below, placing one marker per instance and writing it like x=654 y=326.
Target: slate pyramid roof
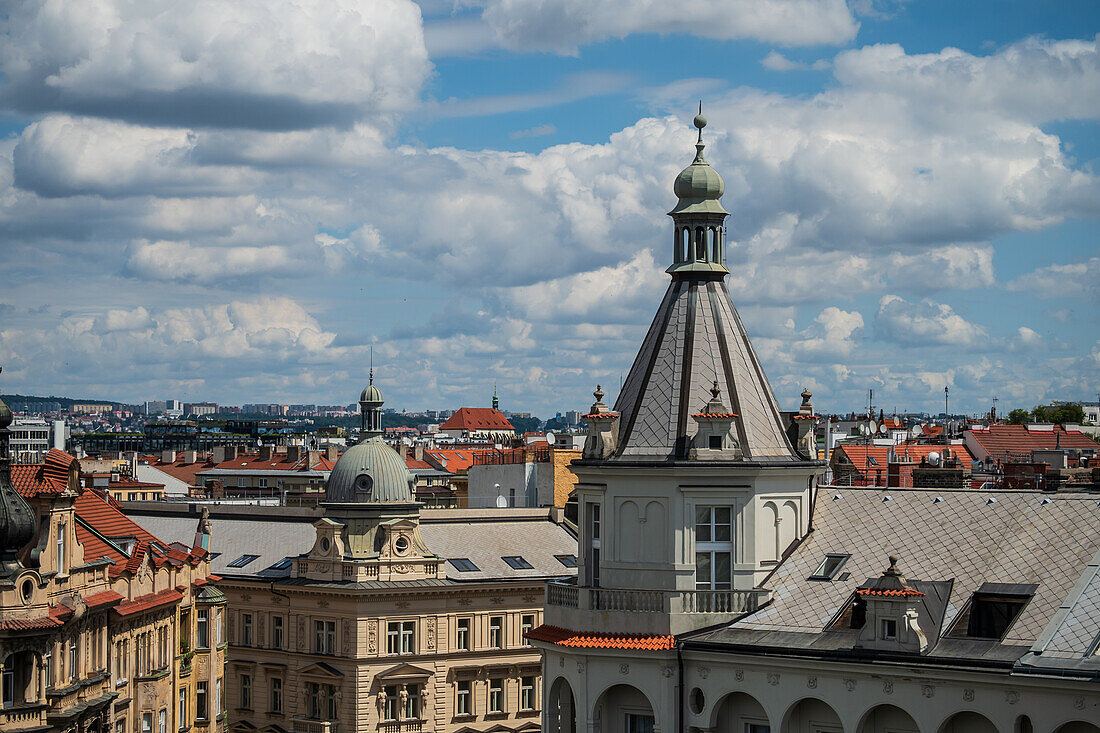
x=696 y=339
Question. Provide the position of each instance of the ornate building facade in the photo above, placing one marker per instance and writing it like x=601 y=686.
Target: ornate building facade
x=372 y=614
x=722 y=589
x=103 y=627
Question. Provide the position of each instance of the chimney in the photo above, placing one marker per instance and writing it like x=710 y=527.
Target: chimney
x=418 y=452
x=312 y=458
x=167 y=456
x=267 y=452
x=219 y=454
x=294 y=453
x=402 y=449
x=332 y=452
x=190 y=456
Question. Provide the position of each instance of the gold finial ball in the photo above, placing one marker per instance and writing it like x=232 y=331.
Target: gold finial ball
x=700 y=121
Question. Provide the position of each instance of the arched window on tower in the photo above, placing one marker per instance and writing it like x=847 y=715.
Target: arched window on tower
x=711 y=245
x=700 y=244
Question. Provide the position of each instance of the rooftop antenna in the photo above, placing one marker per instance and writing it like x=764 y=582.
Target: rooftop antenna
x=372 y=363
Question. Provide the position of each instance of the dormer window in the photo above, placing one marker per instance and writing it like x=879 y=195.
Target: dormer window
x=889 y=630
x=830 y=566
x=993 y=610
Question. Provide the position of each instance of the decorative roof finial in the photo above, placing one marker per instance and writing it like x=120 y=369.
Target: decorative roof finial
x=893 y=569
x=714 y=390
x=372 y=364
x=598 y=394
x=700 y=122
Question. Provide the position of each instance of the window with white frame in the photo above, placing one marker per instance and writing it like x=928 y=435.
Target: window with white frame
x=527 y=693
x=262 y=483
x=527 y=622
x=714 y=548
x=276 y=632
x=401 y=637
x=246 y=691
x=496 y=695
x=202 y=629
x=496 y=632
x=182 y=711
x=162 y=720
x=462 y=637
x=593 y=560
x=246 y=629
x=324 y=637
x=61 y=548
x=464 y=696
x=147 y=723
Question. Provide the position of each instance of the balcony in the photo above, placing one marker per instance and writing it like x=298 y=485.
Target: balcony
x=646 y=611
x=29 y=717
x=409 y=725
x=305 y=725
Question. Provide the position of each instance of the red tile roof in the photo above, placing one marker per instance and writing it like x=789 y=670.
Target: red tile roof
x=49 y=477
x=103 y=598
x=101 y=520
x=477 y=418
x=29 y=624
x=857 y=456
x=997 y=440
x=179 y=470
x=277 y=462
x=149 y=601
x=454 y=460
x=897 y=592
x=565 y=637
x=412 y=463
x=726 y=415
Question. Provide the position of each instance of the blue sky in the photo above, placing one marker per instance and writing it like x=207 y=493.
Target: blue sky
x=235 y=201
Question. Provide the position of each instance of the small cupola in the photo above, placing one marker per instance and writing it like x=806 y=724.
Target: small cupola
x=370 y=409
x=603 y=429
x=801 y=428
x=890 y=605
x=699 y=231
x=714 y=439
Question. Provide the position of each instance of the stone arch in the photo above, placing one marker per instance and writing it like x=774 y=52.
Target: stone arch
x=770 y=513
x=890 y=718
x=654 y=548
x=628 y=531
x=1077 y=726
x=789 y=526
x=811 y=715
x=624 y=708
x=736 y=711
x=968 y=721
x=1023 y=725
x=561 y=714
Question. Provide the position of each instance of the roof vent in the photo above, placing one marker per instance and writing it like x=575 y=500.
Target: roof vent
x=1046 y=500
x=990 y=500
x=837 y=496
x=937 y=500
x=887 y=498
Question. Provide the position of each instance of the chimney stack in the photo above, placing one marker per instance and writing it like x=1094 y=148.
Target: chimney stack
x=167 y=456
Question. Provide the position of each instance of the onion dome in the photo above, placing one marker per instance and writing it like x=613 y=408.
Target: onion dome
x=370 y=473
x=371 y=393
x=698 y=187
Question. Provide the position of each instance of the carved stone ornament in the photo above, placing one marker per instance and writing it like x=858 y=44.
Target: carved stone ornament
x=322 y=603
x=888 y=687
x=1079 y=703
x=667 y=671
x=580 y=667
x=529 y=599
x=497 y=601
x=704 y=672
x=430 y=634
x=464 y=601
x=849 y=685
x=349 y=637
x=301 y=634
x=968 y=694
x=561 y=662
x=372 y=636
x=246 y=597
x=624 y=669
x=402 y=604
x=773 y=678
x=811 y=682
x=927 y=690
x=403 y=568
x=1012 y=697
x=739 y=675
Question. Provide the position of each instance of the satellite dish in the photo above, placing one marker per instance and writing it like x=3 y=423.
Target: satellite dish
x=883 y=429
x=871 y=426
x=915 y=431
x=502 y=503
x=550 y=438
x=934 y=458
x=259 y=441
x=863 y=429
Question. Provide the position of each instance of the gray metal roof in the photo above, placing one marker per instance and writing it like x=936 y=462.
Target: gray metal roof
x=695 y=339
x=484 y=537
x=973 y=538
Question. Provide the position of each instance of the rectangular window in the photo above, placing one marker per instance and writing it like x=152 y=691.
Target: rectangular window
x=220 y=615
x=592 y=564
x=715 y=442
x=263 y=483
x=162 y=720
x=182 y=711
x=496 y=632
x=146 y=723
x=74 y=659
x=527 y=622
x=8 y=684
x=393 y=700
x=276 y=701
x=202 y=633
x=324 y=637
x=401 y=637
x=757 y=728
x=829 y=567
x=496 y=695
x=241 y=483
x=462 y=640
x=517 y=562
x=202 y=704
x=246 y=691
x=569 y=561
x=636 y=723
x=463 y=565
x=47 y=664
x=411 y=710
x=276 y=632
x=889 y=628
x=61 y=548
x=120 y=725
x=464 y=694
x=243 y=560
x=714 y=548
x=527 y=693
x=246 y=629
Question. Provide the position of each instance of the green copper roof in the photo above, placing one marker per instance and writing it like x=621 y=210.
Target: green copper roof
x=698 y=187
x=370 y=472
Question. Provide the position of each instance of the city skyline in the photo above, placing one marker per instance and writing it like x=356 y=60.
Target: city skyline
x=912 y=193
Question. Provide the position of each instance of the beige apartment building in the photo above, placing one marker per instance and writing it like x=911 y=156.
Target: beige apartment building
x=370 y=613
x=103 y=626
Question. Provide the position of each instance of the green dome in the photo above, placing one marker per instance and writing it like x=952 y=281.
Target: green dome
x=370 y=472
x=371 y=393
x=699 y=181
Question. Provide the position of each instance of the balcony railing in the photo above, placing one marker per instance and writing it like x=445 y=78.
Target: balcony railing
x=567 y=595
x=411 y=725
x=304 y=725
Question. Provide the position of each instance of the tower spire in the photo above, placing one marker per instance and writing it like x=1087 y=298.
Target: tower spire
x=699 y=231
x=496 y=400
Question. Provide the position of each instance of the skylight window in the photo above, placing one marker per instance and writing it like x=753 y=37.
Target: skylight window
x=569 y=561
x=463 y=565
x=829 y=567
x=282 y=564
x=243 y=560
x=517 y=563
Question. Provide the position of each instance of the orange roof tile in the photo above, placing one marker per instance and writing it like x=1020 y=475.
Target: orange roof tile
x=997 y=439
x=477 y=418
x=857 y=456
x=29 y=624
x=906 y=592
x=149 y=601
x=103 y=598
x=565 y=637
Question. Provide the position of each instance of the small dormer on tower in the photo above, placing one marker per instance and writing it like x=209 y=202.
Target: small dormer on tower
x=801 y=428
x=603 y=429
x=714 y=439
x=891 y=616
